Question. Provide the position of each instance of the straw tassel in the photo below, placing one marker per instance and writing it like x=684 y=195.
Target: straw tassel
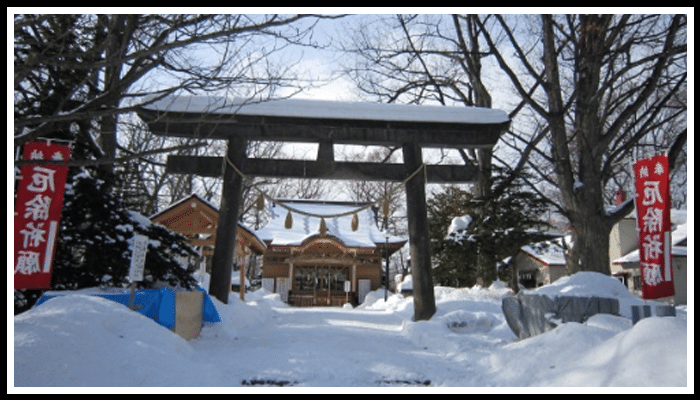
x=288 y=220
x=355 y=222
x=260 y=203
x=322 y=227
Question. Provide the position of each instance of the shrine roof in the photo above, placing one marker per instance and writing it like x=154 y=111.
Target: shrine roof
x=305 y=226
x=194 y=215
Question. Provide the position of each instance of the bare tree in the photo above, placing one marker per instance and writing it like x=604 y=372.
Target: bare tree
x=428 y=59
x=387 y=196
x=585 y=94
x=598 y=85
x=118 y=62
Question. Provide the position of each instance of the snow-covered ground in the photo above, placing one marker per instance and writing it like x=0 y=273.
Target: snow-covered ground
x=78 y=340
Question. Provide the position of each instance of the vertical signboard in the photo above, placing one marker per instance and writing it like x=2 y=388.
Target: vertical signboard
x=139 y=247
x=654 y=226
x=37 y=214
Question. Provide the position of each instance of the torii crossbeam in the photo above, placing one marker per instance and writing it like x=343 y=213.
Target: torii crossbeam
x=326 y=123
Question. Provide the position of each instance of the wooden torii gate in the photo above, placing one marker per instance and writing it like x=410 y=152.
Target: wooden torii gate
x=326 y=123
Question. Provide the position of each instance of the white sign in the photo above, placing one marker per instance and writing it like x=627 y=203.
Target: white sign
x=139 y=246
x=347 y=286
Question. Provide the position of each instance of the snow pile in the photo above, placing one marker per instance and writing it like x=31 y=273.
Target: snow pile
x=78 y=340
x=82 y=340
x=590 y=284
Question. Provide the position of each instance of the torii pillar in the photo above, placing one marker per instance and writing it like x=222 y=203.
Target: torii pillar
x=423 y=292
x=227 y=228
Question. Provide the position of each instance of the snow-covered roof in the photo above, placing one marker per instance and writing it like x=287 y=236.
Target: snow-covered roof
x=330 y=110
x=177 y=203
x=550 y=252
x=679 y=235
x=204 y=221
x=305 y=226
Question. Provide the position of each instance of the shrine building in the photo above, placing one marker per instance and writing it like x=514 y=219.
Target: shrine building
x=329 y=261
x=197 y=219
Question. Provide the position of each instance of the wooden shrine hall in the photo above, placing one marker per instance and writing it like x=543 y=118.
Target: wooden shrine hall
x=328 y=261
x=197 y=220
x=327 y=123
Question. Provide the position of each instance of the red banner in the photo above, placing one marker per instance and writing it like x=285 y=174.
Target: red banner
x=37 y=214
x=653 y=203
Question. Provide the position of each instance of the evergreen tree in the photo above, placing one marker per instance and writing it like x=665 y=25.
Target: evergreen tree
x=52 y=78
x=496 y=228
x=450 y=268
x=93 y=246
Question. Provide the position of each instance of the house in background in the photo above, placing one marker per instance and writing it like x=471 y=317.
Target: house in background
x=542 y=263
x=328 y=261
x=197 y=219
x=545 y=262
x=625 y=259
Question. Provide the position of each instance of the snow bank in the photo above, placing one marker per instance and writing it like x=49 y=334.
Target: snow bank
x=78 y=340
x=589 y=284
x=652 y=353
x=81 y=340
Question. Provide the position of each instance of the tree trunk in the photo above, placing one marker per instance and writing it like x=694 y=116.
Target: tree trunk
x=591 y=241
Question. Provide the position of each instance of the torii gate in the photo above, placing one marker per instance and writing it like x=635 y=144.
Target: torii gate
x=326 y=123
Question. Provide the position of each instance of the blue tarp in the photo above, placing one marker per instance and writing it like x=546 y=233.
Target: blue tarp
x=157 y=304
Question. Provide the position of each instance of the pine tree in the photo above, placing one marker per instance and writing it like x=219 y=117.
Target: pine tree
x=93 y=246
x=450 y=268
x=496 y=228
x=55 y=76
x=93 y=249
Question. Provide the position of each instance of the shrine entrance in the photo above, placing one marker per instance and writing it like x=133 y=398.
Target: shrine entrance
x=326 y=123
x=320 y=285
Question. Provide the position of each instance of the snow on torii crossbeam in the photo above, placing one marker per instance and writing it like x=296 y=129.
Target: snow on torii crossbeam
x=325 y=123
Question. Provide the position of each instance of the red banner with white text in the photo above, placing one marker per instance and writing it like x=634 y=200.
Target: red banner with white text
x=37 y=213
x=653 y=203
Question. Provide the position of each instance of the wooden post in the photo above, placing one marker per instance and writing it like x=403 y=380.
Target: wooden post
x=423 y=291
x=225 y=245
x=241 y=286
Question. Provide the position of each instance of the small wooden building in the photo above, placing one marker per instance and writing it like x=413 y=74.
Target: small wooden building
x=542 y=263
x=196 y=219
x=312 y=261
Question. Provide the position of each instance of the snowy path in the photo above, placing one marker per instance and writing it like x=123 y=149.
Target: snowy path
x=347 y=347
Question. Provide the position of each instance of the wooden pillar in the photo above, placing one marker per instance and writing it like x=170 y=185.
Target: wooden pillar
x=416 y=208
x=225 y=246
x=241 y=277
